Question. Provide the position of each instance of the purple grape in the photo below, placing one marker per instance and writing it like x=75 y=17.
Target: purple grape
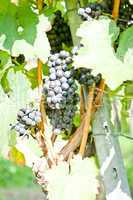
x=63 y=79
x=67 y=74
x=81 y=11
x=52 y=70
x=59 y=73
x=57 y=90
x=52 y=76
x=52 y=84
x=51 y=93
x=58 y=83
x=65 y=86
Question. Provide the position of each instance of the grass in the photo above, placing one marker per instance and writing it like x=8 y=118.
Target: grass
x=12 y=176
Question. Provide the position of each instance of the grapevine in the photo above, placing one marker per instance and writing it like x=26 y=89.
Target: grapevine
x=66 y=79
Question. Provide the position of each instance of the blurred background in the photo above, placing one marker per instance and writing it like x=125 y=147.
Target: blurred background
x=17 y=182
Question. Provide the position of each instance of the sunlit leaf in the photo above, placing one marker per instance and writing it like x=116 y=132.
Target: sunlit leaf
x=19 y=96
x=125 y=43
x=98 y=53
x=81 y=174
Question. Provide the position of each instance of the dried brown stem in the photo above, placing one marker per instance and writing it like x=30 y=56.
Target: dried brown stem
x=74 y=141
x=53 y=138
x=86 y=126
x=98 y=99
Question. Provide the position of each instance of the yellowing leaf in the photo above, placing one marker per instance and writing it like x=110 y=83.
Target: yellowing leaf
x=16 y=156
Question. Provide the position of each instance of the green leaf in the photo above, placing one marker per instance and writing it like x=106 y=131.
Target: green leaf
x=28 y=20
x=125 y=42
x=12 y=138
x=76 y=120
x=22 y=31
x=13 y=17
x=129 y=89
x=45 y=70
x=39 y=49
x=49 y=11
x=125 y=104
x=8 y=27
x=4 y=83
x=32 y=76
x=114 y=31
x=4 y=58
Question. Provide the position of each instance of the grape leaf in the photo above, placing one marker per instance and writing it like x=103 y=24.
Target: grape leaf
x=98 y=53
x=5 y=64
x=8 y=27
x=81 y=171
x=77 y=120
x=113 y=31
x=22 y=31
x=12 y=17
x=4 y=59
x=40 y=48
x=124 y=117
x=27 y=20
x=131 y=2
x=30 y=150
x=125 y=43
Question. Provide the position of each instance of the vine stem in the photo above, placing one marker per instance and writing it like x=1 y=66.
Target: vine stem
x=98 y=99
x=86 y=126
x=39 y=72
x=40 y=5
x=115 y=12
x=44 y=144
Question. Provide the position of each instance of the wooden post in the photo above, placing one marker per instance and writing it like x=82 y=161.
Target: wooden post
x=109 y=155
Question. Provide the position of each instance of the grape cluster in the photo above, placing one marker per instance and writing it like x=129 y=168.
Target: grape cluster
x=84 y=77
x=20 y=59
x=125 y=14
x=94 y=10
x=27 y=118
x=60 y=91
x=59 y=34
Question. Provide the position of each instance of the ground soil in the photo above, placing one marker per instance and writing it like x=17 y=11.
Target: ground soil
x=21 y=194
